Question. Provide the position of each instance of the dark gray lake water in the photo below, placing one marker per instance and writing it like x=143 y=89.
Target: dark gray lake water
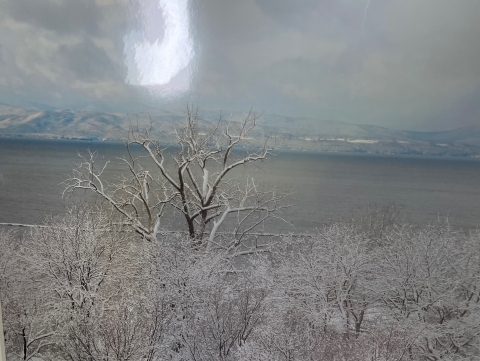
x=325 y=186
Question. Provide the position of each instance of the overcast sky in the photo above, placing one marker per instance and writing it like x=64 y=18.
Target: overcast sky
x=404 y=64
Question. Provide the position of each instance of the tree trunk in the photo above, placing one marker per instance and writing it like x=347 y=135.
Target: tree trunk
x=3 y=352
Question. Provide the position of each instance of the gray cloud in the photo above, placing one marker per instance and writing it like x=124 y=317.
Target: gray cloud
x=412 y=62
x=62 y=52
x=89 y=62
x=64 y=17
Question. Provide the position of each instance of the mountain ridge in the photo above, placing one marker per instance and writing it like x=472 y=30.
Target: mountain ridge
x=291 y=132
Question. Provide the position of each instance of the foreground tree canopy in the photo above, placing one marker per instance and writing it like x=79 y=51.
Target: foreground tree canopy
x=80 y=289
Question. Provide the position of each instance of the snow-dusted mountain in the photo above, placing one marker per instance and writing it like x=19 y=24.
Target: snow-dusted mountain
x=290 y=132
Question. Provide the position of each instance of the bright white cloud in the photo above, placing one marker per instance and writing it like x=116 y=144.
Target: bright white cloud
x=157 y=63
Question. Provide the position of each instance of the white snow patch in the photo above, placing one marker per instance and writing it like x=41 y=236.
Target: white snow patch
x=363 y=141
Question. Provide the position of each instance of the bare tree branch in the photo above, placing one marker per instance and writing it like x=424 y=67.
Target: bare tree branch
x=198 y=184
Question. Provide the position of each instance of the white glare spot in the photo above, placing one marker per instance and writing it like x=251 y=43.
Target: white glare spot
x=156 y=63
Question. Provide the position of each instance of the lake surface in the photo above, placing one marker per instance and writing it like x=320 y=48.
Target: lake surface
x=324 y=186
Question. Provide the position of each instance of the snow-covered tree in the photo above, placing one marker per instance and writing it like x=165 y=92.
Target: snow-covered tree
x=198 y=182
x=28 y=324
x=326 y=276
x=428 y=279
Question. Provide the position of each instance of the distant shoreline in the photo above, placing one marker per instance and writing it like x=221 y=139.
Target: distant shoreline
x=52 y=137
